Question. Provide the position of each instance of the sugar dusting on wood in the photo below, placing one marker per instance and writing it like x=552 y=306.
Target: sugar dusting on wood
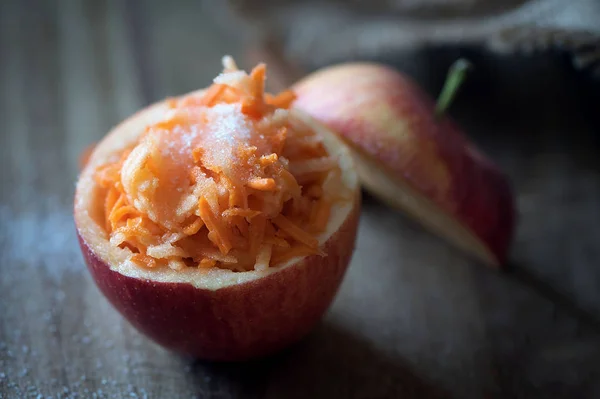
x=54 y=253
x=54 y=244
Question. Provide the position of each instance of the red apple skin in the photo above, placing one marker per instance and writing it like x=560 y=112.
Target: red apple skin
x=238 y=322
x=387 y=117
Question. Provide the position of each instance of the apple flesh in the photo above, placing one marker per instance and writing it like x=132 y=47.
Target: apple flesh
x=217 y=314
x=412 y=160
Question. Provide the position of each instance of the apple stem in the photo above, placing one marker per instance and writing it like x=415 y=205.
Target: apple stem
x=456 y=76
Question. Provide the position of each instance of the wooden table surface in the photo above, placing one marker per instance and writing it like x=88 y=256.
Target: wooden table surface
x=414 y=317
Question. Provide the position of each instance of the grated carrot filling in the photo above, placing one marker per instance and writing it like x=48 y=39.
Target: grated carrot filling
x=226 y=180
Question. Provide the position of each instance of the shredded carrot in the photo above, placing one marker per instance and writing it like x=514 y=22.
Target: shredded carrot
x=282 y=100
x=226 y=179
x=144 y=260
x=277 y=241
x=197 y=155
x=207 y=263
x=296 y=232
x=211 y=253
x=109 y=203
x=217 y=233
x=194 y=227
x=119 y=212
x=320 y=216
x=263 y=184
x=268 y=160
x=257 y=76
x=115 y=212
x=247 y=213
x=212 y=95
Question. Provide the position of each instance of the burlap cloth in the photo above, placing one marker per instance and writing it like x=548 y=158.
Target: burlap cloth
x=321 y=32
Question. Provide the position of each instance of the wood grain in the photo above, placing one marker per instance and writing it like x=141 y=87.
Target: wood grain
x=414 y=318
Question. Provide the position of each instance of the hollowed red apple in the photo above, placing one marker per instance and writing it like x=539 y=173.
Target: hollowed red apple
x=412 y=160
x=216 y=313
